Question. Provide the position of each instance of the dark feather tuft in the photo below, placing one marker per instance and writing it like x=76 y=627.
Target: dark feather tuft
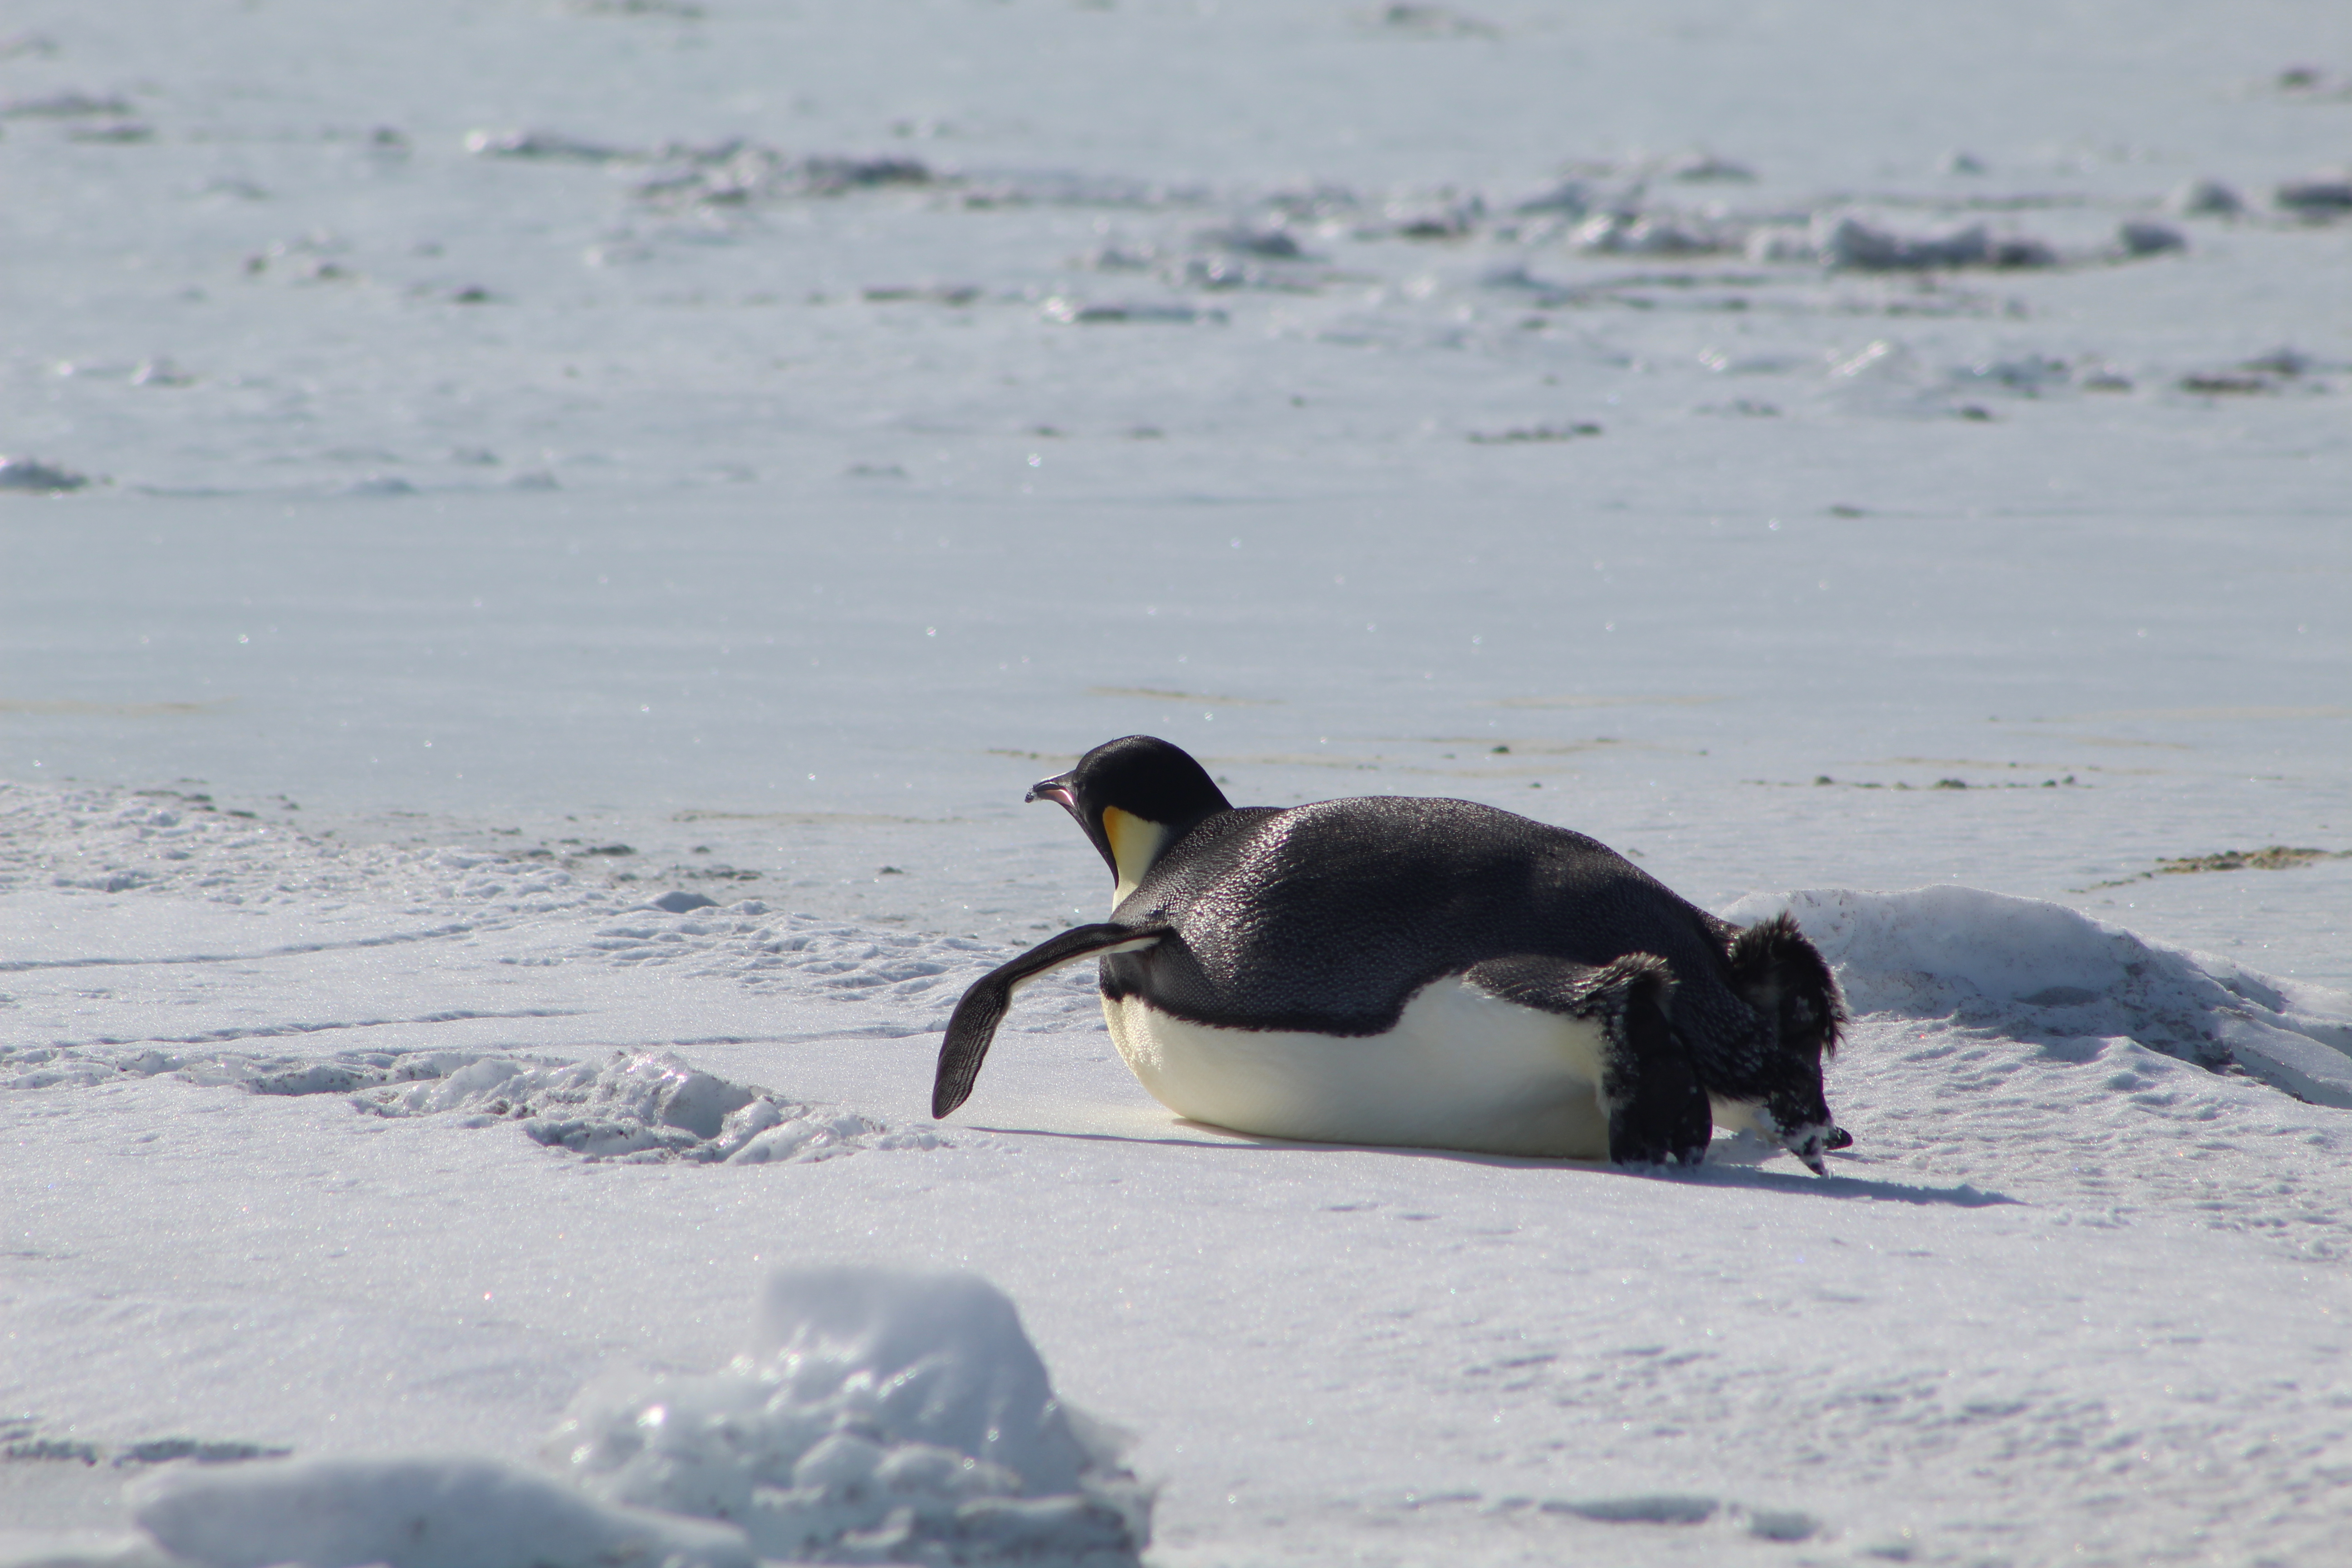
x=1785 y=978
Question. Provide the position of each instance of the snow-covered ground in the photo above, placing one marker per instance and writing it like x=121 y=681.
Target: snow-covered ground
x=549 y=465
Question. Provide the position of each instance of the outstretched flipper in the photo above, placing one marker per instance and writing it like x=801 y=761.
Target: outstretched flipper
x=973 y=1024
x=1657 y=1109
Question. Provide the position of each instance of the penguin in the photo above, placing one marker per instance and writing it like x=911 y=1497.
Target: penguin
x=1422 y=972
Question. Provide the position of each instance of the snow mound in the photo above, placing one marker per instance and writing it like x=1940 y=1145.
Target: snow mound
x=878 y=1416
x=411 y=1513
x=2028 y=968
x=641 y=1107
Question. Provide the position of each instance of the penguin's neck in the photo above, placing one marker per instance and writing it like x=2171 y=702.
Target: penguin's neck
x=1134 y=843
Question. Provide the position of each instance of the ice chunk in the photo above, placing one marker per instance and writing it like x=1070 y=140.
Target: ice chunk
x=1781 y=242
x=1058 y=309
x=31 y=474
x=877 y=1414
x=2205 y=199
x=411 y=1513
x=1273 y=242
x=1699 y=167
x=1848 y=242
x=550 y=145
x=1572 y=198
x=2140 y=238
x=1622 y=234
x=945 y=1353
x=2322 y=195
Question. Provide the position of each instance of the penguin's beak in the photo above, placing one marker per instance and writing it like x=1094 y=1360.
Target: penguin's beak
x=1058 y=789
x=1061 y=789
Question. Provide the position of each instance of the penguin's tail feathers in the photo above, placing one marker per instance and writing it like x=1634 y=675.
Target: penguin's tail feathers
x=1785 y=978
x=971 y=1028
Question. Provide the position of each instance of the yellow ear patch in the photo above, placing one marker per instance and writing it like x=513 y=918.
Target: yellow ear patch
x=1135 y=844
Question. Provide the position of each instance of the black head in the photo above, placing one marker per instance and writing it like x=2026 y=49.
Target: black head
x=1786 y=980
x=1134 y=797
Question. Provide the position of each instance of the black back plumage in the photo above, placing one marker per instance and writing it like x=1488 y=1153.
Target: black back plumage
x=1329 y=917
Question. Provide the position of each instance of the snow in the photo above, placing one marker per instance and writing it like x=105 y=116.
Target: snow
x=409 y=1513
x=541 y=544
x=2066 y=1267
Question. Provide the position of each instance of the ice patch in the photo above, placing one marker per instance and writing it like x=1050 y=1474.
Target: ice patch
x=877 y=1416
x=411 y=1513
x=2032 y=968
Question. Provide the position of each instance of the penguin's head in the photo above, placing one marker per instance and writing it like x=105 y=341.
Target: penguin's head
x=1134 y=797
x=1786 y=980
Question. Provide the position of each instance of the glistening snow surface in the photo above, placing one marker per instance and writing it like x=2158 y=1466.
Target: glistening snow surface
x=542 y=543
x=2069 y=1286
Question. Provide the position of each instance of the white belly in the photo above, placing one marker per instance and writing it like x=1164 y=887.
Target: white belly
x=1462 y=1069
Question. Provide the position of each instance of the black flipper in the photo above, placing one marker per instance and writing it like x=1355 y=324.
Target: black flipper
x=973 y=1024
x=1657 y=1109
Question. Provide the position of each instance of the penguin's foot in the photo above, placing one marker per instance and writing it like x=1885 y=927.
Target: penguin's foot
x=1657 y=1111
x=1666 y=1118
x=1633 y=1155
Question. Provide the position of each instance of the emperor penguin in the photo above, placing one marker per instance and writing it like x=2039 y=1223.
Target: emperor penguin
x=1425 y=972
